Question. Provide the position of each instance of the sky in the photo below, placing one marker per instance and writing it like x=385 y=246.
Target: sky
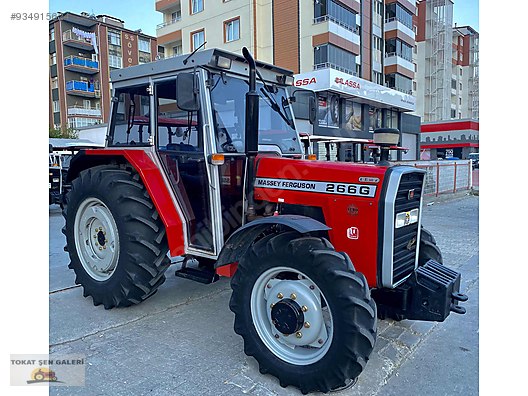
x=137 y=14
x=141 y=14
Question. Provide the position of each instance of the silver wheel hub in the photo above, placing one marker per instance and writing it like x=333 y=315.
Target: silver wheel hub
x=289 y=317
x=96 y=239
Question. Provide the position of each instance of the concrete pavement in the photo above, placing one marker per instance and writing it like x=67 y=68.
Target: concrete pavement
x=181 y=341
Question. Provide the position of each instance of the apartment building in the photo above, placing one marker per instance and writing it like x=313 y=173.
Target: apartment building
x=83 y=50
x=447 y=81
x=357 y=55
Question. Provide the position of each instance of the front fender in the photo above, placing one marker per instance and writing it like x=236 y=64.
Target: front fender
x=239 y=242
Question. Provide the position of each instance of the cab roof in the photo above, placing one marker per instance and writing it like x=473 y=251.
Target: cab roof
x=207 y=57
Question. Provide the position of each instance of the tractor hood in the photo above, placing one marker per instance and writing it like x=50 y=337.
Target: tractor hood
x=282 y=176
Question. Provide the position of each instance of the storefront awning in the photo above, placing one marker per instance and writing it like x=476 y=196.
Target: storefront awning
x=363 y=90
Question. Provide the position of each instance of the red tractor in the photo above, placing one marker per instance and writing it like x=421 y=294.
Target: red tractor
x=203 y=161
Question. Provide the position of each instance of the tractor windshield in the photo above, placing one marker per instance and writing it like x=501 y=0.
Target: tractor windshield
x=228 y=95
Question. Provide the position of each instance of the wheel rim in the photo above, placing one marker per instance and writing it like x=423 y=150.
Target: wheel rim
x=96 y=239
x=291 y=316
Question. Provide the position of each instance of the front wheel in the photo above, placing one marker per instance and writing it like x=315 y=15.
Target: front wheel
x=305 y=315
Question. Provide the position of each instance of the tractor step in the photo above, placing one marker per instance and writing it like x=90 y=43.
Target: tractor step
x=197 y=275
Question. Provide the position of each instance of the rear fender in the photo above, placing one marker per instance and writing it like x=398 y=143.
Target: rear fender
x=239 y=242
x=151 y=177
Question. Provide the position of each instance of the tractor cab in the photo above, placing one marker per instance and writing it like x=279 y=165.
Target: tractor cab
x=192 y=118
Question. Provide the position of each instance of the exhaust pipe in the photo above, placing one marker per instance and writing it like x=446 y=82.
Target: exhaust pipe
x=251 y=132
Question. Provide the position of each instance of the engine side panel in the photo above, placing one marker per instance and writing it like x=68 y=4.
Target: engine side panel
x=348 y=194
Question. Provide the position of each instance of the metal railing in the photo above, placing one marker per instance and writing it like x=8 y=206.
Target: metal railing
x=444 y=177
x=68 y=35
x=79 y=110
x=324 y=18
x=74 y=85
x=78 y=61
x=329 y=65
x=162 y=25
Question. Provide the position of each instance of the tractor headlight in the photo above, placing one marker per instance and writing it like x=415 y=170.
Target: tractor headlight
x=405 y=218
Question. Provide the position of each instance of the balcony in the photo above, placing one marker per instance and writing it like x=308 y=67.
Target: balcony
x=81 y=65
x=71 y=39
x=84 y=111
x=168 y=27
x=394 y=24
x=80 y=88
x=329 y=65
x=350 y=33
x=392 y=58
x=162 y=5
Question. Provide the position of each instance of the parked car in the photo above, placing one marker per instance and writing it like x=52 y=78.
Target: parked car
x=475 y=158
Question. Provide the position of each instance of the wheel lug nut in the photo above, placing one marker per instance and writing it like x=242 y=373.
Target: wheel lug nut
x=320 y=341
x=280 y=295
x=276 y=335
x=293 y=296
x=268 y=286
x=298 y=334
x=100 y=248
x=312 y=287
x=306 y=325
x=304 y=308
x=272 y=305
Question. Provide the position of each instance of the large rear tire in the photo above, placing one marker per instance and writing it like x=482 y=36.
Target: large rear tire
x=305 y=315
x=115 y=238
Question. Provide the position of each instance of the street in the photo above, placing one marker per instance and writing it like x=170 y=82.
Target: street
x=181 y=341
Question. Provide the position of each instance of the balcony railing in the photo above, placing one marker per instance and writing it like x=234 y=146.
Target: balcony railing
x=328 y=65
x=85 y=111
x=68 y=35
x=355 y=29
x=390 y=54
x=81 y=62
x=74 y=86
x=162 y=25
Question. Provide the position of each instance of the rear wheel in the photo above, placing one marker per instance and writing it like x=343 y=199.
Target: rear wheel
x=115 y=238
x=305 y=315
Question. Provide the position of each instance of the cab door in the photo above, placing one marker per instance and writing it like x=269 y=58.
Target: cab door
x=181 y=146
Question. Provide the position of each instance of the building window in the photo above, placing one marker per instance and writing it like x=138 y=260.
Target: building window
x=328 y=111
x=330 y=9
x=374 y=118
x=377 y=77
x=398 y=48
x=351 y=119
x=328 y=55
x=56 y=106
x=54 y=83
x=197 y=6
x=114 y=37
x=391 y=119
x=115 y=61
x=197 y=39
x=399 y=83
x=377 y=49
x=176 y=16
x=232 y=30
x=53 y=59
x=453 y=113
x=52 y=34
x=377 y=13
x=396 y=12
x=144 y=45
x=177 y=50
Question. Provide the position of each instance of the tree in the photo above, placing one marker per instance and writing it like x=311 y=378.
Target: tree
x=67 y=133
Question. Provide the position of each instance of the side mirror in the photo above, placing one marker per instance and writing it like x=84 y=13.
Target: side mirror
x=187 y=92
x=305 y=104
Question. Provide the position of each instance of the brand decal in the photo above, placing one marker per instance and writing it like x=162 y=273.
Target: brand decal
x=305 y=81
x=410 y=194
x=353 y=233
x=348 y=83
x=411 y=244
x=365 y=179
x=358 y=190
x=352 y=210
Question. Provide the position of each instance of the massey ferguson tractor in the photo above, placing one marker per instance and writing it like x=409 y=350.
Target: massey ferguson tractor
x=203 y=161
